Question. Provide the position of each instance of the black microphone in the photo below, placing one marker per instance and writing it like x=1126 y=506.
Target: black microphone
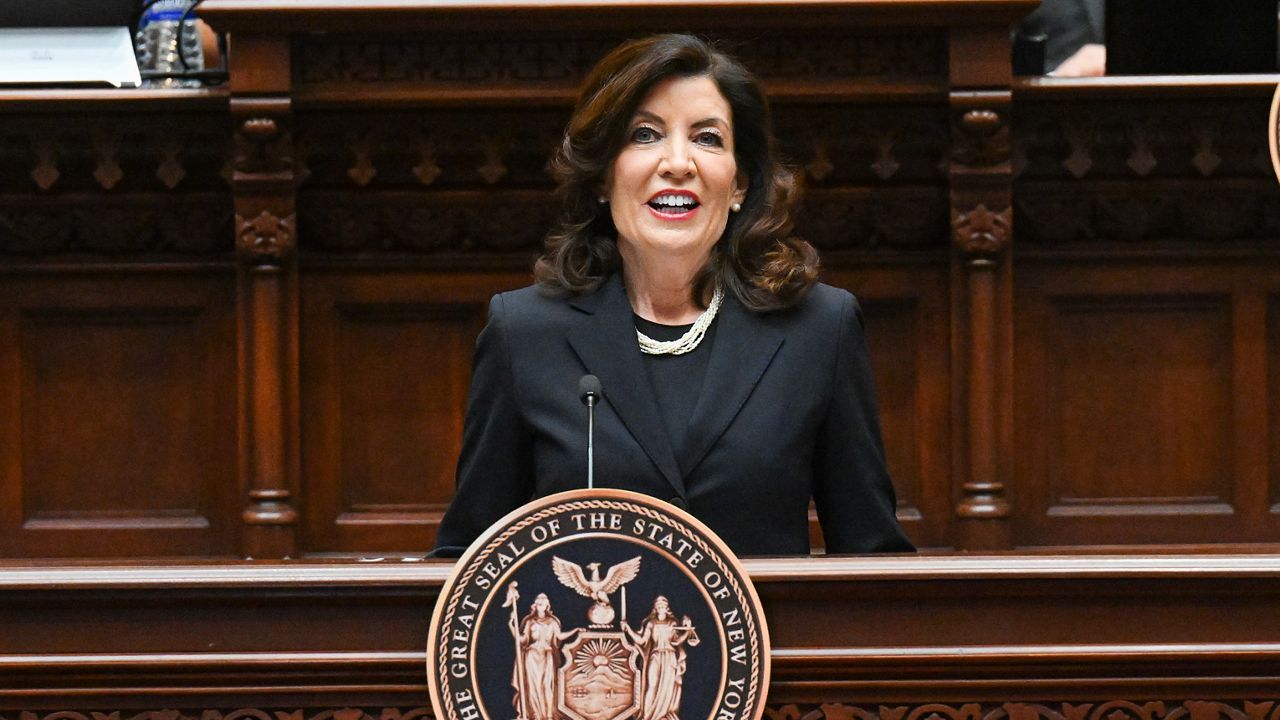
x=590 y=393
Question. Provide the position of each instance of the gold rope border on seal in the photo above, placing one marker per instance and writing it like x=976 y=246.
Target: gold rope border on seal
x=715 y=554
x=1273 y=132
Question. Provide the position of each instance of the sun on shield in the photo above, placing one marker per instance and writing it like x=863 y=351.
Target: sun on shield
x=600 y=677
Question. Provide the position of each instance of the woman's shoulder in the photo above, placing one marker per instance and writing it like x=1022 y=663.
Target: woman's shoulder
x=529 y=308
x=822 y=306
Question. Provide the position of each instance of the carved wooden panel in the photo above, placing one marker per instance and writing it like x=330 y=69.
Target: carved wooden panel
x=476 y=181
x=470 y=65
x=121 y=437
x=1148 y=174
x=906 y=318
x=386 y=363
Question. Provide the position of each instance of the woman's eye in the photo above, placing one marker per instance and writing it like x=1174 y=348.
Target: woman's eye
x=710 y=139
x=643 y=135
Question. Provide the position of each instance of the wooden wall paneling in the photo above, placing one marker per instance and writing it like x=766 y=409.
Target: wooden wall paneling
x=263 y=182
x=1163 y=197
x=1141 y=395
x=1272 y=385
x=387 y=365
x=1251 y=390
x=120 y=417
x=982 y=280
x=906 y=312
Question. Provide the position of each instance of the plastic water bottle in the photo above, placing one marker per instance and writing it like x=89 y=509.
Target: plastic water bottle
x=162 y=46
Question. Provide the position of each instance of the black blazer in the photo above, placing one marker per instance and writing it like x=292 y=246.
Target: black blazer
x=787 y=411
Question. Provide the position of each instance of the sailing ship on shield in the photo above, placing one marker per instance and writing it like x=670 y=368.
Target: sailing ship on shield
x=602 y=671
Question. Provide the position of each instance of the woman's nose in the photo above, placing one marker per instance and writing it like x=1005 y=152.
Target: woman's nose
x=677 y=161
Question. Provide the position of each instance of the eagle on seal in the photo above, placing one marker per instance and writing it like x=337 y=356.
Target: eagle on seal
x=598 y=589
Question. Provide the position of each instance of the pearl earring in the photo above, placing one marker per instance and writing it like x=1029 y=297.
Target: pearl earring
x=602 y=200
x=736 y=207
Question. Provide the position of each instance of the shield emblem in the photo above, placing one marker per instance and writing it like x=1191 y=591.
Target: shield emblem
x=599 y=679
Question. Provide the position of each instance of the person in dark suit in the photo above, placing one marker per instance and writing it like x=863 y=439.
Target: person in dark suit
x=1073 y=32
x=736 y=386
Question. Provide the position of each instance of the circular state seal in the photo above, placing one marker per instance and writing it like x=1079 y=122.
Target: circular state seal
x=598 y=605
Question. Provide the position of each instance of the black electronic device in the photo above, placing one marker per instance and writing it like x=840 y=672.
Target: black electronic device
x=69 y=13
x=1183 y=37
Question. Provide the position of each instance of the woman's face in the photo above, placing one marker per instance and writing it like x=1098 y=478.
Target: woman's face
x=673 y=182
x=660 y=608
x=540 y=606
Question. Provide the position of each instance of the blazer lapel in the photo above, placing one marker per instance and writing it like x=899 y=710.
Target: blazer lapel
x=744 y=346
x=606 y=344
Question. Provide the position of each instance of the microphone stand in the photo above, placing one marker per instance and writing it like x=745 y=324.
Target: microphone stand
x=591 y=441
x=589 y=392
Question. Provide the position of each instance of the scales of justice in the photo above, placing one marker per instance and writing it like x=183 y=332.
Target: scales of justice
x=602 y=671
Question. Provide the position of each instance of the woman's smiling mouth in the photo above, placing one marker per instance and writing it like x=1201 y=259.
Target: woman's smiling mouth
x=673 y=204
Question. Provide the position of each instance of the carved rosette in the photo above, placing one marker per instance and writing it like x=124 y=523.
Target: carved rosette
x=266 y=239
x=981 y=233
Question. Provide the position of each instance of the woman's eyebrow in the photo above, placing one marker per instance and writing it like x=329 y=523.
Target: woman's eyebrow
x=713 y=120
x=646 y=115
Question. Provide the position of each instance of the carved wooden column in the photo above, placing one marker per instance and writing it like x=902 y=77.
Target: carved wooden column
x=982 y=283
x=266 y=241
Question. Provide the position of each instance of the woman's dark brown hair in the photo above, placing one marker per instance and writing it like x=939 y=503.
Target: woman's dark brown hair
x=756 y=260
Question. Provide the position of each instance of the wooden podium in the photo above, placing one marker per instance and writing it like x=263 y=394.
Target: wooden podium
x=1088 y=637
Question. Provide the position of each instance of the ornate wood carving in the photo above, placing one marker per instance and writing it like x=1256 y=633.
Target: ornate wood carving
x=199 y=225
x=474 y=61
x=876 y=179
x=170 y=170
x=321 y=712
x=263 y=182
x=45 y=173
x=1111 y=709
x=122 y=153
x=263 y=141
x=981 y=231
x=1114 y=709
x=106 y=146
x=266 y=239
x=1151 y=176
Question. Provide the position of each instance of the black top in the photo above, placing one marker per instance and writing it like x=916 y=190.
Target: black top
x=676 y=379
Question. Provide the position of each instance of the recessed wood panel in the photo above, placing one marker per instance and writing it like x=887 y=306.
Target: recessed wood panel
x=893 y=341
x=404 y=371
x=110 y=414
x=125 y=429
x=1273 y=405
x=904 y=313
x=1134 y=396
x=386 y=371
x=1141 y=406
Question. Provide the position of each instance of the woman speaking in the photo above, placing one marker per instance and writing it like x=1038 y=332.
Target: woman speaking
x=735 y=385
